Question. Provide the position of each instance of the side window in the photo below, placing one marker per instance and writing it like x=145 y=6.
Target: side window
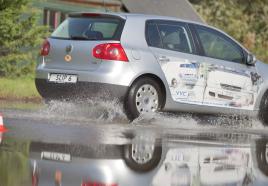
x=216 y=45
x=107 y=29
x=152 y=34
x=175 y=37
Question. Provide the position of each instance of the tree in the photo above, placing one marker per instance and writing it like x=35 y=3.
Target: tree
x=245 y=20
x=20 y=34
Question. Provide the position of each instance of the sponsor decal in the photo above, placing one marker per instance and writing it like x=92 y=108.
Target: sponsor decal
x=204 y=166
x=181 y=94
x=210 y=84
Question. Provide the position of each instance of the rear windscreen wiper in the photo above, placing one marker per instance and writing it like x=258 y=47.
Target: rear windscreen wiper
x=79 y=37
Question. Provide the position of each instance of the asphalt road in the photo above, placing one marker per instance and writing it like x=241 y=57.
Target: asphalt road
x=74 y=123
x=97 y=134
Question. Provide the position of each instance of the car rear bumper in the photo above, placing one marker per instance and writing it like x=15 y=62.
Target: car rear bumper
x=80 y=90
x=112 y=72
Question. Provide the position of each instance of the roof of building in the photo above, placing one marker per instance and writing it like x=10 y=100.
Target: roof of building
x=66 y=7
x=78 y=5
x=174 y=8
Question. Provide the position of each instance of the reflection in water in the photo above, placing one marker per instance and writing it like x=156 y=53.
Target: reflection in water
x=217 y=164
x=14 y=162
x=205 y=166
x=145 y=160
x=262 y=155
x=1 y=137
x=95 y=164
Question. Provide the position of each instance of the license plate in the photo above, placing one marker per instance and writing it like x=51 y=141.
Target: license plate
x=62 y=78
x=55 y=156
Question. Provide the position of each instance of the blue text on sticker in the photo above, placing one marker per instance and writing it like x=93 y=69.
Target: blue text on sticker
x=182 y=94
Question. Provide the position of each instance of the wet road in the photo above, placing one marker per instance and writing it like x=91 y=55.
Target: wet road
x=77 y=144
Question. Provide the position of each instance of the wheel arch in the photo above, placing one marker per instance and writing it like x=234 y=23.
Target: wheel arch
x=158 y=80
x=261 y=98
x=262 y=107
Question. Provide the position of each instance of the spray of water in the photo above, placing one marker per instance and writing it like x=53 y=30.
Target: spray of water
x=111 y=112
x=167 y=120
x=86 y=110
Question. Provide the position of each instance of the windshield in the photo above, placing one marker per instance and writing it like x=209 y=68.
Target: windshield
x=85 y=28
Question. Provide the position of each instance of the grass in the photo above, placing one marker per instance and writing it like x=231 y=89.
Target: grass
x=19 y=89
x=20 y=105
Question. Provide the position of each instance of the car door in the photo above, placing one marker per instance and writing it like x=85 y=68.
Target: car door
x=172 y=45
x=229 y=82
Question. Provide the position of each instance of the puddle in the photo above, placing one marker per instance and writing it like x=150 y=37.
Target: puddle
x=140 y=157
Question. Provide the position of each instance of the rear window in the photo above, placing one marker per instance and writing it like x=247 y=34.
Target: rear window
x=86 y=28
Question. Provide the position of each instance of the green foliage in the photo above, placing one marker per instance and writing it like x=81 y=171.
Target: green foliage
x=245 y=20
x=26 y=85
x=20 y=35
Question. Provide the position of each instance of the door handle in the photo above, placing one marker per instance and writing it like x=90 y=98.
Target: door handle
x=163 y=59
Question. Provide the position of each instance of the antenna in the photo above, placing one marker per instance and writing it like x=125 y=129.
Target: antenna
x=104 y=5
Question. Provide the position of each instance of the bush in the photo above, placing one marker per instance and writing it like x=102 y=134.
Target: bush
x=20 y=36
x=245 y=20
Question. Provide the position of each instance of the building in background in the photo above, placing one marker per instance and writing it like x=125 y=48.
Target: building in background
x=55 y=11
x=175 y=8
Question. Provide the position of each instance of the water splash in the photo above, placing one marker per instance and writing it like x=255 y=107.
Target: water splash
x=111 y=112
x=86 y=110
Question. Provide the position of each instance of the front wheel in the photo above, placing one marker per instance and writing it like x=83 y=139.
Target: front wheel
x=264 y=110
x=144 y=96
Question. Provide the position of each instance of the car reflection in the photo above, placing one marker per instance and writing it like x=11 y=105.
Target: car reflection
x=217 y=165
x=261 y=156
x=95 y=165
x=144 y=161
x=204 y=166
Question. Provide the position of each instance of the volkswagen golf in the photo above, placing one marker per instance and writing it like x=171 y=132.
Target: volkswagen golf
x=152 y=63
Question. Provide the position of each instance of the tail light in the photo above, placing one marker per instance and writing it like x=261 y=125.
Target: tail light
x=35 y=176
x=91 y=14
x=45 y=48
x=89 y=183
x=34 y=180
x=110 y=51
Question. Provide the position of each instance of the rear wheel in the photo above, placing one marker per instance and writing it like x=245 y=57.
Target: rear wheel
x=263 y=114
x=144 y=96
x=142 y=157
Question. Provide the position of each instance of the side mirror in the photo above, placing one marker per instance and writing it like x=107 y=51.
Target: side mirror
x=251 y=60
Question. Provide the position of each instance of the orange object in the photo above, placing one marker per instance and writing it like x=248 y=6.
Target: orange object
x=2 y=127
x=58 y=178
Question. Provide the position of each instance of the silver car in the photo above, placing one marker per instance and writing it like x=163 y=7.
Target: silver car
x=152 y=63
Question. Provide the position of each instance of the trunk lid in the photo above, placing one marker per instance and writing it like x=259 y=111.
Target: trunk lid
x=72 y=43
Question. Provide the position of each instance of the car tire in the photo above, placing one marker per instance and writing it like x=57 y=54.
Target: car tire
x=145 y=167
x=263 y=116
x=261 y=154
x=144 y=95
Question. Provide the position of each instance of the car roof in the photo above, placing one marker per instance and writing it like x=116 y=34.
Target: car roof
x=156 y=17
x=140 y=16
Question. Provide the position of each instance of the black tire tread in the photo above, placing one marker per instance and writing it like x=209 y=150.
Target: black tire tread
x=150 y=165
x=130 y=105
x=263 y=113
